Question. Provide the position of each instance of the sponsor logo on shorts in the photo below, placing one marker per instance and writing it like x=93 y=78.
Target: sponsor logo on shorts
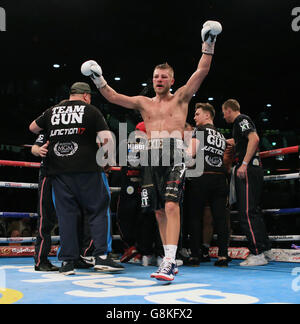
x=145 y=198
x=162 y=149
x=130 y=190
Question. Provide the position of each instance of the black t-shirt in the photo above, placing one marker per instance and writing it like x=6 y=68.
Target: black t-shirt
x=40 y=141
x=242 y=127
x=214 y=148
x=71 y=128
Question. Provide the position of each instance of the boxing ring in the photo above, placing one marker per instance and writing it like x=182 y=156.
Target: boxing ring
x=277 y=282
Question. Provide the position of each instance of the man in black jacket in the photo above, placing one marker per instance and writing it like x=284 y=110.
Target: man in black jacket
x=248 y=177
x=78 y=181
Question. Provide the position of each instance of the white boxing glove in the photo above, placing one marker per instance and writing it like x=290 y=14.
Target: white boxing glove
x=93 y=70
x=209 y=34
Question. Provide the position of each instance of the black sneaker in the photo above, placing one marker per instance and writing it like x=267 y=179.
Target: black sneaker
x=81 y=264
x=205 y=254
x=192 y=262
x=107 y=265
x=223 y=263
x=46 y=266
x=88 y=259
x=67 y=268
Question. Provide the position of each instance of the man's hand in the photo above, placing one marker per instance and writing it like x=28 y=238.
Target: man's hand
x=230 y=142
x=241 y=171
x=43 y=150
x=209 y=34
x=94 y=71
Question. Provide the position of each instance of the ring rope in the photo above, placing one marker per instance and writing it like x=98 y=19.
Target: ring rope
x=281 y=151
x=290 y=176
x=17 y=215
x=235 y=238
x=22 y=185
x=265 y=154
x=282 y=211
x=32 y=164
x=7 y=240
x=54 y=239
x=274 y=238
x=20 y=164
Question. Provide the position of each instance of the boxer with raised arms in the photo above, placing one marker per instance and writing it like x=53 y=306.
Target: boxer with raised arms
x=164 y=116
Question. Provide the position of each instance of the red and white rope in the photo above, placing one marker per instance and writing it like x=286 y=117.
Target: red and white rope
x=265 y=154
x=22 y=185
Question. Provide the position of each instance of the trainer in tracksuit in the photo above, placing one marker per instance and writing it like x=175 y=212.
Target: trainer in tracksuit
x=79 y=184
x=47 y=217
x=248 y=181
x=46 y=211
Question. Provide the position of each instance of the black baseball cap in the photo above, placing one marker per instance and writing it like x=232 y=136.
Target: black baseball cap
x=80 y=87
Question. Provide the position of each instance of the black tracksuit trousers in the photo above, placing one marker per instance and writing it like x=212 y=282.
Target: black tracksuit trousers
x=248 y=194
x=211 y=189
x=46 y=220
x=77 y=192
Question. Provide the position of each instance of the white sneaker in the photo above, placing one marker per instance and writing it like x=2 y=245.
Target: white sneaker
x=254 y=260
x=178 y=263
x=269 y=255
x=166 y=271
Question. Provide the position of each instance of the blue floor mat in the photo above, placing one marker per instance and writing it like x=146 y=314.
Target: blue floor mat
x=274 y=283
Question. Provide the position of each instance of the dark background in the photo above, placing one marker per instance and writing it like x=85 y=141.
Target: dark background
x=256 y=62
x=256 y=59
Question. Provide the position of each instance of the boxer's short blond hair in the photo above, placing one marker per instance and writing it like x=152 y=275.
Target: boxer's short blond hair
x=165 y=66
x=232 y=104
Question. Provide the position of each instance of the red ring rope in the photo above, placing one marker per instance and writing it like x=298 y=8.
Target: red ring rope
x=265 y=154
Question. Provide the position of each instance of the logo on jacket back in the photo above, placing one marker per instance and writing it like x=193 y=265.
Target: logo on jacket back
x=67 y=115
